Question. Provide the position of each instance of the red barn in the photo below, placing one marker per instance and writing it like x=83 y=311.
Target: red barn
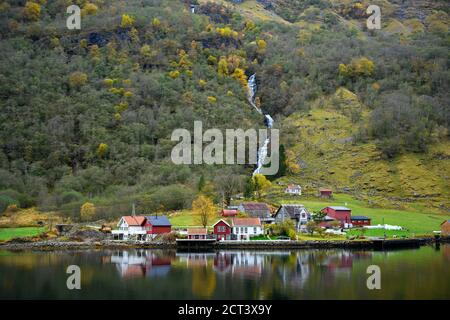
x=228 y=213
x=358 y=221
x=343 y=214
x=325 y=193
x=222 y=230
x=157 y=225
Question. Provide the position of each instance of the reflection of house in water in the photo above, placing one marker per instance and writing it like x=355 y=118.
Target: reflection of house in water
x=223 y=262
x=140 y=263
x=195 y=259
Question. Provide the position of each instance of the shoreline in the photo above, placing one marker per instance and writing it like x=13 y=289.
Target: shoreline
x=228 y=245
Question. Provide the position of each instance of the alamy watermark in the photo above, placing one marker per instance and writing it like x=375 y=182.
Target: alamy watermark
x=213 y=147
x=74 y=280
x=374 y=21
x=374 y=280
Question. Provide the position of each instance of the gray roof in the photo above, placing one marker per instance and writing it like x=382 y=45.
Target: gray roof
x=293 y=210
x=360 y=218
x=339 y=208
x=158 y=220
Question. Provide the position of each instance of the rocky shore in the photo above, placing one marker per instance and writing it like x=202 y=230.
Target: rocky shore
x=50 y=245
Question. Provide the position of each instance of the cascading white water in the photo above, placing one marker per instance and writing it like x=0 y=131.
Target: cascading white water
x=268 y=120
x=252 y=88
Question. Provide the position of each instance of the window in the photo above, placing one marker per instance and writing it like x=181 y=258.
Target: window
x=254 y=230
x=221 y=229
x=245 y=229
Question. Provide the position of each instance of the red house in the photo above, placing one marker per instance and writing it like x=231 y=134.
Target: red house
x=157 y=225
x=358 y=221
x=222 y=230
x=342 y=214
x=325 y=193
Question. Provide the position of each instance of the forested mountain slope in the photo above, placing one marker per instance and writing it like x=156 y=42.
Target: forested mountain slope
x=87 y=115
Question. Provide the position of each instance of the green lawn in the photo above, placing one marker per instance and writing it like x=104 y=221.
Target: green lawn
x=379 y=233
x=416 y=220
x=10 y=233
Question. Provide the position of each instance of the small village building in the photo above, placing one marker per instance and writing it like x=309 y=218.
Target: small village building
x=358 y=221
x=327 y=222
x=296 y=212
x=293 y=189
x=226 y=213
x=325 y=193
x=130 y=228
x=198 y=233
x=157 y=225
x=222 y=230
x=445 y=228
x=342 y=214
x=245 y=228
x=257 y=210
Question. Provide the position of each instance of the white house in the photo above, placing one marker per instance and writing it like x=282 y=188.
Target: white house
x=244 y=228
x=293 y=189
x=130 y=228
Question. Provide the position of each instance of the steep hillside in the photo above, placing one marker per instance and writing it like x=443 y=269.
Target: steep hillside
x=87 y=115
x=329 y=156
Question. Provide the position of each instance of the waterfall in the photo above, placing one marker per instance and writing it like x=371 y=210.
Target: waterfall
x=268 y=121
x=252 y=88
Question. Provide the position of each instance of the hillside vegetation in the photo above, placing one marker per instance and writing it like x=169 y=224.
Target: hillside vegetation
x=87 y=115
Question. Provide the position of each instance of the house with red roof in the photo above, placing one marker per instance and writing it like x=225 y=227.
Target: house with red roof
x=130 y=228
x=245 y=228
x=197 y=233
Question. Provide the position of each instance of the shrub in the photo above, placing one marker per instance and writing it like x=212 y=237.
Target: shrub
x=5 y=202
x=71 y=196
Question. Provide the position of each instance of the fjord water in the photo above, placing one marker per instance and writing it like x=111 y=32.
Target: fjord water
x=286 y=274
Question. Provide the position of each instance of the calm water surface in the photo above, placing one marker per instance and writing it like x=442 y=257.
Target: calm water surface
x=292 y=274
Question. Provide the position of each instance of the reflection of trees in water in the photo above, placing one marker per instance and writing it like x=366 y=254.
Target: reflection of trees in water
x=203 y=282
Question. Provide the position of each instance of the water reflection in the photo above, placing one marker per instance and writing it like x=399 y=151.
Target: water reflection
x=140 y=263
x=286 y=274
x=291 y=267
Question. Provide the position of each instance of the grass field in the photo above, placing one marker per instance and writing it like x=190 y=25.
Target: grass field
x=10 y=233
x=416 y=220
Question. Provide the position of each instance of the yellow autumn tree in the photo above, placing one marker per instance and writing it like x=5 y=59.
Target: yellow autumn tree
x=32 y=11
x=223 y=67
x=102 y=149
x=291 y=164
x=240 y=75
x=262 y=45
x=89 y=9
x=260 y=184
x=127 y=21
x=203 y=208
x=87 y=211
x=77 y=79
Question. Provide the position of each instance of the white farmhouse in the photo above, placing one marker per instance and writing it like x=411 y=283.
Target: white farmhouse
x=244 y=228
x=293 y=189
x=130 y=228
